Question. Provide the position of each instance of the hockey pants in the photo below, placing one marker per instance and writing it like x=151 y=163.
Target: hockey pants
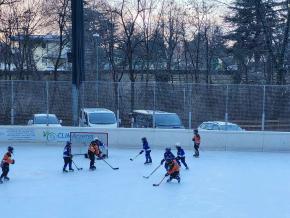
x=67 y=161
x=5 y=170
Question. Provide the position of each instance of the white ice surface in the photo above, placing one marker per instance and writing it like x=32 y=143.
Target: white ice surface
x=218 y=185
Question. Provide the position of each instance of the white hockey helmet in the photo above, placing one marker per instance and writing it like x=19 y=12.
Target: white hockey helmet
x=177 y=144
x=96 y=138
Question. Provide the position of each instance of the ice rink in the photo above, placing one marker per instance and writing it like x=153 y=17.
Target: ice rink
x=218 y=185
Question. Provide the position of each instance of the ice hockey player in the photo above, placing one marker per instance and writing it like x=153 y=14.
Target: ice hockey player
x=6 y=161
x=93 y=151
x=180 y=155
x=100 y=145
x=67 y=157
x=173 y=171
x=168 y=156
x=147 y=150
x=196 y=140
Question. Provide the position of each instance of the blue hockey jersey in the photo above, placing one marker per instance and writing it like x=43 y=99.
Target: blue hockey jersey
x=180 y=152
x=67 y=151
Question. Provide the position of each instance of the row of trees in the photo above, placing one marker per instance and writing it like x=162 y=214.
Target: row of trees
x=158 y=37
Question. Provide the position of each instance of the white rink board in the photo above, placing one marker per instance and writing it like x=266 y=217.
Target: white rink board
x=158 y=138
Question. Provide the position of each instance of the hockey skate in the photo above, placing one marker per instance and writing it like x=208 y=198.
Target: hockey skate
x=71 y=170
x=6 y=178
x=92 y=168
x=64 y=170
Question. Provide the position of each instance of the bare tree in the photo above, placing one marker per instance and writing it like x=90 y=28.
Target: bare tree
x=57 y=13
x=171 y=28
x=199 y=21
x=108 y=29
x=128 y=15
x=19 y=21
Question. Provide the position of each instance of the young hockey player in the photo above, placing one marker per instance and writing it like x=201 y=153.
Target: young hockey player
x=147 y=150
x=92 y=151
x=180 y=155
x=173 y=171
x=67 y=157
x=168 y=156
x=6 y=161
x=196 y=140
x=100 y=146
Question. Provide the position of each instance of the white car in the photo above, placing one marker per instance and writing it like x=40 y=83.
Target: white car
x=45 y=120
x=218 y=125
x=98 y=117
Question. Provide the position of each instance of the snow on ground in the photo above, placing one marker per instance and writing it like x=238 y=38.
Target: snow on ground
x=218 y=185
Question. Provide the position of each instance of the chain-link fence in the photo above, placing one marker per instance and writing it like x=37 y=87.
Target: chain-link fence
x=251 y=107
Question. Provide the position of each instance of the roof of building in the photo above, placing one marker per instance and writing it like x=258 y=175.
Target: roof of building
x=37 y=38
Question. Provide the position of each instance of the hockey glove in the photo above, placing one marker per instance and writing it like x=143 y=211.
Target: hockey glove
x=166 y=174
x=141 y=152
x=161 y=163
x=13 y=161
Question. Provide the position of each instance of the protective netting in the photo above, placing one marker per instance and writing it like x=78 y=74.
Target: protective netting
x=252 y=107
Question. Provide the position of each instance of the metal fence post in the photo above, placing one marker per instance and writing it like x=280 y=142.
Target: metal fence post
x=263 y=112
x=154 y=104
x=227 y=102
x=82 y=122
x=12 y=102
x=47 y=100
x=190 y=106
x=184 y=97
x=118 y=103
x=75 y=104
x=83 y=95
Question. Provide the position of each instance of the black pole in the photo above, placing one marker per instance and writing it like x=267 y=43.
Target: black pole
x=77 y=54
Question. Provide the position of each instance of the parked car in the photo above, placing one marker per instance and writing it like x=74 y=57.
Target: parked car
x=98 y=117
x=218 y=125
x=166 y=120
x=45 y=120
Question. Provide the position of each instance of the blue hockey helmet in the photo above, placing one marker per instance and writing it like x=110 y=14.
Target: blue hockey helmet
x=10 y=149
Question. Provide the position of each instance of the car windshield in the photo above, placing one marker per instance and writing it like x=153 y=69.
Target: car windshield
x=102 y=118
x=46 y=120
x=167 y=120
x=230 y=127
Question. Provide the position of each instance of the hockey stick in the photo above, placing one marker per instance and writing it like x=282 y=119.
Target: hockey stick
x=147 y=177
x=131 y=159
x=114 y=168
x=77 y=166
x=160 y=181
